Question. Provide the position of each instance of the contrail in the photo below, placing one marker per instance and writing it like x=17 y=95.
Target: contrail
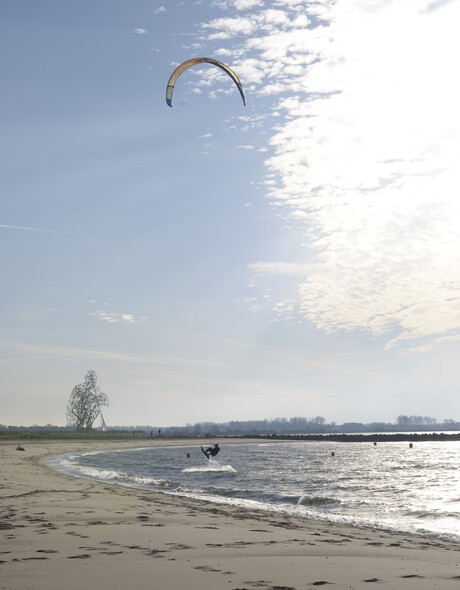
x=47 y=231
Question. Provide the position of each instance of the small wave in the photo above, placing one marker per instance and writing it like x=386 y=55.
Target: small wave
x=321 y=501
x=430 y=515
x=212 y=467
x=149 y=481
x=222 y=492
x=68 y=464
x=86 y=471
x=107 y=475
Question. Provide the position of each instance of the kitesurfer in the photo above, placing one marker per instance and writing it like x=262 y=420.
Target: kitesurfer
x=212 y=451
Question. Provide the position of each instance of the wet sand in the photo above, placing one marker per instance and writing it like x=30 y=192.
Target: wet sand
x=59 y=532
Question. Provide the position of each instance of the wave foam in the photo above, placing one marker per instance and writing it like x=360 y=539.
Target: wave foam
x=212 y=466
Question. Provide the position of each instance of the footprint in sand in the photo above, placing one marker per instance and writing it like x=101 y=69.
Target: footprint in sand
x=75 y=534
x=143 y=517
x=154 y=552
x=178 y=546
x=206 y=568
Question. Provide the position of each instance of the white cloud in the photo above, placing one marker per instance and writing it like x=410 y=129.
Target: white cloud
x=247 y=4
x=140 y=31
x=237 y=4
x=365 y=155
x=114 y=318
x=228 y=27
x=128 y=318
x=111 y=317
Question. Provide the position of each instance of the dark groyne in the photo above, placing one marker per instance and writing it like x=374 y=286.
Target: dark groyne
x=369 y=438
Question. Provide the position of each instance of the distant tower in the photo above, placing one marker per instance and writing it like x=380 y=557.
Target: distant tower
x=103 y=426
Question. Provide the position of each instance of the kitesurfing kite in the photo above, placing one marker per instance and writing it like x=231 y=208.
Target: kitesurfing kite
x=198 y=60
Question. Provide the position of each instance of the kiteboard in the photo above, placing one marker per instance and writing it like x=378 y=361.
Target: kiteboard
x=204 y=453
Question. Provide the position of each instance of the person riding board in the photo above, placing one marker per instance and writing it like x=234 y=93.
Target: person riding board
x=212 y=451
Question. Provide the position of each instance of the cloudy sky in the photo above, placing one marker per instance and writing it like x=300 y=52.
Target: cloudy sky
x=298 y=256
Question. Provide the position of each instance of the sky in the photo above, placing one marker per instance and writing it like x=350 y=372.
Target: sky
x=297 y=256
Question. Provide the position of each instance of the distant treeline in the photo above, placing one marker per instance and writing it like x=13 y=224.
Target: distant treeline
x=270 y=427
x=299 y=425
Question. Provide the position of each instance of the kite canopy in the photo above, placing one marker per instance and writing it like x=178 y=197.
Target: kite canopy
x=198 y=60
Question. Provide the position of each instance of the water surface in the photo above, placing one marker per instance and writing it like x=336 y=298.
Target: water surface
x=388 y=486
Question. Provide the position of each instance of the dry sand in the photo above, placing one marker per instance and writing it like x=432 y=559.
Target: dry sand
x=63 y=533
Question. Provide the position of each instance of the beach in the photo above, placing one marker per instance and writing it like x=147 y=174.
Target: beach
x=59 y=532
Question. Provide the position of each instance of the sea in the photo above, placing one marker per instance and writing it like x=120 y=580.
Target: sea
x=388 y=486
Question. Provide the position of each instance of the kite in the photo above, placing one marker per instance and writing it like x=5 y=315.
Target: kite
x=198 y=60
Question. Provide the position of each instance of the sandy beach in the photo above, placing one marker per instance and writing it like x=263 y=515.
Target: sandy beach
x=59 y=532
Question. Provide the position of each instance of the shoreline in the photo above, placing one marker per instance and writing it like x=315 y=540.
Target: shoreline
x=420 y=529
x=126 y=437
x=54 y=525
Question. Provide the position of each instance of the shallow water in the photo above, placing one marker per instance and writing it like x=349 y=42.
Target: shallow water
x=388 y=486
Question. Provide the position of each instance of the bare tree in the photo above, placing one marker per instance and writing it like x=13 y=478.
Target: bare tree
x=85 y=402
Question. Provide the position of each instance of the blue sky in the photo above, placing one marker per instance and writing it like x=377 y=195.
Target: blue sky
x=295 y=257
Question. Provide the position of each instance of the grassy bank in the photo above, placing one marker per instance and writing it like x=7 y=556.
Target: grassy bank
x=36 y=435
